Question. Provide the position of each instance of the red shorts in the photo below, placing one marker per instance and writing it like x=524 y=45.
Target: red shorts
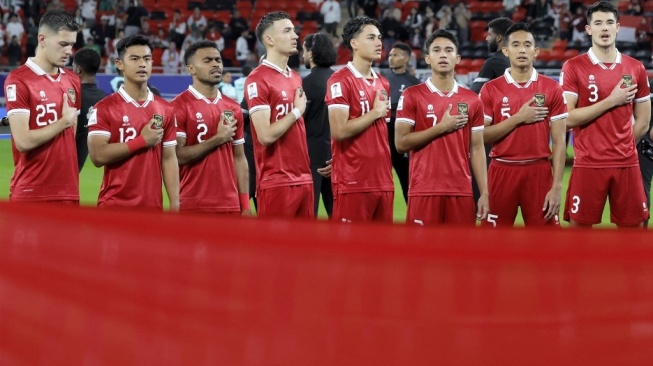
x=519 y=185
x=429 y=210
x=363 y=206
x=589 y=188
x=286 y=201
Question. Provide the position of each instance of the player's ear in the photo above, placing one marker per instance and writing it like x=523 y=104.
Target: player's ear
x=504 y=49
x=457 y=59
x=119 y=65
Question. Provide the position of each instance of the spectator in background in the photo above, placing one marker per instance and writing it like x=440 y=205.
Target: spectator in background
x=14 y=52
x=416 y=38
x=239 y=84
x=78 y=16
x=102 y=33
x=643 y=34
x=192 y=37
x=369 y=8
x=634 y=8
x=15 y=28
x=330 y=10
x=446 y=17
x=226 y=87
x=242 y=48
x=237 y=24
x=170 y=59
x=146 y=31
x=177 y=29
x=578 y=23
x=90 y=44
x=88 y=10
x=564 y=22
x=352 y=7
x=197 y=21
x=414 y=20
x=160 y=40
x=55 y=5
x=6 y=17
x=431 y=25
x=32 y=37
x=344 y=55
x=392 y=27
x=213 y=34
x=511 y=5
x=2 y=38
x=462 y=15
x=136 y=15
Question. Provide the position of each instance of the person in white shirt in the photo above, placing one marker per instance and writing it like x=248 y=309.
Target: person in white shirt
x=242 y=48
x=197 y=21
x=239 y=84
x=89 y=8
x=171 y=59
x=330 y=10
x=15 y=28
x=226 y=87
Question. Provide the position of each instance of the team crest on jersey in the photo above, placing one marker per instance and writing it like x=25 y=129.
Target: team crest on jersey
x=540 y=99
x=336 y=90
x=463 y=108
x=42 y=95
x=628 y=80
x=10 y=92
x=72 y=95
x=252 y=91
x=158 y=121
x=400 y=104
x=228 y=116
x=385 y=94
x=125 y=121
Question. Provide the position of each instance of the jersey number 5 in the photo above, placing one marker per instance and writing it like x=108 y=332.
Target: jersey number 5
x=46 y=114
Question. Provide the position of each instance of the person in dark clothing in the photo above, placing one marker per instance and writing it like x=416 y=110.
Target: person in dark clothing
x=319 y=56
x=14 y=52
x=86 y=63
x=249 y=151
x=399 y=79
x=645 y=154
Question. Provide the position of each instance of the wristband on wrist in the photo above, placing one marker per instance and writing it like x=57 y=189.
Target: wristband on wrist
x=136 y=144
x=244 y=201
x=297 y=113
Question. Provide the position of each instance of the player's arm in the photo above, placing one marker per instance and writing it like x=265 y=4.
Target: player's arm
x=103 y=153
x=343 y=128
x=267 y=132
x=190 y=154
x=580 y=116
x=642 y=114
x=170 y=174
x=406 y=139
x=527 y=114
x=27 y=140
x=242 y=174
x=558 y=157
x=479 y=166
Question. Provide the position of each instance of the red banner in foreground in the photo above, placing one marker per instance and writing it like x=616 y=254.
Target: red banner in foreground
x=98 y=287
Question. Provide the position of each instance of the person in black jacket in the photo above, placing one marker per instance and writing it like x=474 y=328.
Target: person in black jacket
x=249 y=151
x=319 y=56
x=645 y=154
x=399 y=79
x=86 y=63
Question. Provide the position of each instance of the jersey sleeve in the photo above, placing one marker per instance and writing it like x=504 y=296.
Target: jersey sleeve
x=486 y=104
x=477 y=117
x=16 y=96
x=169 y=128
x=99 y=122
x=569 y=80
x=643 y=87
x=386 y=85
x=406 y=109
x=336 y=95
x=239 y=137
x=258 y=95
x=558 y=107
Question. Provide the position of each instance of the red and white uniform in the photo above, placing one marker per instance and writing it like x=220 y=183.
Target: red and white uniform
x=48 y=172
x=210 y=184
x=608 y=141
x=136 y=180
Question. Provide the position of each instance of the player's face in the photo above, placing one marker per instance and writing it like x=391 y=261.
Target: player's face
x=397 y=59
x=603 y=29
x=136 y=64
x=57 y=46
x=206 y=66
x=368 y=45
x=521 y=49
x=492 y=40
x=284 y=37
x=307 y=56
x=442 y=56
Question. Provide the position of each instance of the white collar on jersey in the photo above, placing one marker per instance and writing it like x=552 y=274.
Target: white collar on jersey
x=595 y=60
x=433 y=89
x=128 y=99
x=199 y=95
x=39 y=71
x=287 y=72
x=510 y=80
x=357 y=74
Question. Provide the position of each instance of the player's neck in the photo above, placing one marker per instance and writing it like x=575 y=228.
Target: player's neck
x=444 y=82
x=521 y=74
x=87 y=79
x=44 y=64
x=605 y=54
x=279 y=60
x=363 y=66
x=209 y=92
x=399 y=70
x=137 y=91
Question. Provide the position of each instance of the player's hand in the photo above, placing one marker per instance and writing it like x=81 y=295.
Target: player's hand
x=620 y=95
x=68 y=113
x=300 y=100
x=152 y=136
x=326 y=171
x=452 y=123
x=381 y=105
x=529 y=114
x=226 y=130
x=551 y=203
x=483 y=207
x=247 y=212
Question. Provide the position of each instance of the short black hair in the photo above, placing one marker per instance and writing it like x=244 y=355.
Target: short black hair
x=58 y=20
x=441 y=33
x=500 y=25
x=517 y=27
x=129 y=41
x=246 y=70
x=323 y=51
x=267 y=21
x=354 y=26
x=88 y=60
x=404 y=47
x=193 y=47
x=603 y=7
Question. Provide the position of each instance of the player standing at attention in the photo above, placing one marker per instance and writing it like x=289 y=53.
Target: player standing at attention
x=523 y=112
x=358 y=100
x=276 y=104
x=609 y=105
x=213 y=176
x=438 y=121
x=132 y=134
x=43 y=102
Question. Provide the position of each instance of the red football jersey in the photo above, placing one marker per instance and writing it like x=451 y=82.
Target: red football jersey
x=48 y=172
x=361 y=163
x=135 y=181
x=503 y=97
x=285 y=162
x=209 y=184
x=442 y=166
x=607 y=141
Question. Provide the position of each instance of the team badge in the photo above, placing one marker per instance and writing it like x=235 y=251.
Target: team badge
x=92 y=116
x=228 y=116
x=540 y=99
x=158 y=121
x=71 y=95
x=463 y=108
x=628 y=80
x=400 y=105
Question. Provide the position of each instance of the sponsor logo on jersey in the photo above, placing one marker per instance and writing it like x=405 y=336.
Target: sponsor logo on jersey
x=72 y=95
x=361 y=93
x=628 y=80
x=463 y=108
x=284 y=95
x=198 y=115
x=125 y=121
x=540 y=99
x=430 y=107
x=42 y=95
x=505 y=100
x=336 y=90
x=252 y=91
x=591 y=81
x=11 y=93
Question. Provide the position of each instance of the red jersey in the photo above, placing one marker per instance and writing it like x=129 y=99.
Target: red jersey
x=442 y=166
x=361 y=163
x=285 y=162
x=48 y=172
x=136 y=180
x=209 y=184
x=607 y=141
x=503 y=97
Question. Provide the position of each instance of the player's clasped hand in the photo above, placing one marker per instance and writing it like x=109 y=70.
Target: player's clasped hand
x=530 y=114
x=452 y=123
x=152 y=135
x=621 y=95
x=326 y=171
x=381 y=105
x=226 y=129
x=300 y=100
x=68 y=113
